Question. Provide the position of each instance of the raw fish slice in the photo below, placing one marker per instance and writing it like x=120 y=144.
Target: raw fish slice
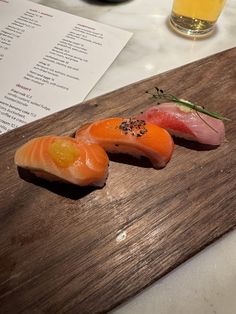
x=186 y=123
x=130 y=136
x=61 y=158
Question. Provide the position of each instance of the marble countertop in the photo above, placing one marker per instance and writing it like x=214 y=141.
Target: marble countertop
x=205 y=284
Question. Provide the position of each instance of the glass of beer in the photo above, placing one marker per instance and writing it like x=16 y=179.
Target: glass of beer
x=195 y=17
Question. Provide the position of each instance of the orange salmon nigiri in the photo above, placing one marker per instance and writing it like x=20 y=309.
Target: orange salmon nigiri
x=130 y=136
x=61 y=158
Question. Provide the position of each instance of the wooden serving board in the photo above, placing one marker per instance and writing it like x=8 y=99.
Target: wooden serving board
x=84 y=250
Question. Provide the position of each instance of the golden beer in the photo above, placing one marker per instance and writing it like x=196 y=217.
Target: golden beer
x=195 y=17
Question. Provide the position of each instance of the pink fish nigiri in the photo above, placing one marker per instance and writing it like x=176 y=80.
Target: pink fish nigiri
x=186 y=123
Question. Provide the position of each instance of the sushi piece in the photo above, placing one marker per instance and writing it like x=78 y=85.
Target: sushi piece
x=130 y=136
x=186 y=123
x=61 y=158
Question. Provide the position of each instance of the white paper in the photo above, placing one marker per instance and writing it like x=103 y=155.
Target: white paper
x=49 y=60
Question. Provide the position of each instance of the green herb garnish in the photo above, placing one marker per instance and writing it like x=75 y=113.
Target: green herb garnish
x=161 y=95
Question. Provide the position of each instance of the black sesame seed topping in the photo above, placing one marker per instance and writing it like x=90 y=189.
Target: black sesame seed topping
x=133 y=126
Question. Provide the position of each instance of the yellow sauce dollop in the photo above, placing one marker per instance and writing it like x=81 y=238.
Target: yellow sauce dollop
x=64 y=153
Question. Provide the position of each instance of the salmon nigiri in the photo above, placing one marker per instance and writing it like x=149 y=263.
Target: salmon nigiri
x=186 y=123
x=130 y=136
x=61 y=158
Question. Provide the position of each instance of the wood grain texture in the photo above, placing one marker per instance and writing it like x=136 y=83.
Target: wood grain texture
x=59 y=251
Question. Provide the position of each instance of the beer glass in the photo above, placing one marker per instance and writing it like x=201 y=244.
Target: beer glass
x=195 y=17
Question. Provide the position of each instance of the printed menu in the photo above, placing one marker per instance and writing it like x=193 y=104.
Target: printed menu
x=49 y=60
